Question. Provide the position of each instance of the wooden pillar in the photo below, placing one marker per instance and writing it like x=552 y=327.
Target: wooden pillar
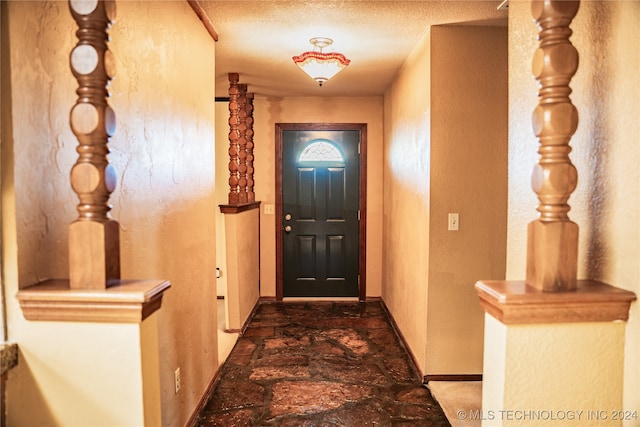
x=94 y=248
x=552 y=245
x=251 y=197
x=554 y=345
x=94 y=312
x=242 y=214
x=233 y=138
x=241 y=181
x=242 y=143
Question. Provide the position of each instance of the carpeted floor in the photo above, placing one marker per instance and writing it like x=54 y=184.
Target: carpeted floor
x=461 y=401
x=320 y=364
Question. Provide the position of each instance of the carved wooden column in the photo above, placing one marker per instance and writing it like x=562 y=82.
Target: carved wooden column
x=94 y=249
x=551 y=337
x=241 y=182
x=251 y=197
x=242 y=214
x=233 y=138
x=552 y=245
x=242 y=143
x=94 y=311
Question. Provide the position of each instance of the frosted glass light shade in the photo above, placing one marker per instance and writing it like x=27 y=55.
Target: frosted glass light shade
x=318 y=65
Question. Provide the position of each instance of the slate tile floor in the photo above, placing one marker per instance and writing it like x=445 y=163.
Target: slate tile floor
x=320 y=364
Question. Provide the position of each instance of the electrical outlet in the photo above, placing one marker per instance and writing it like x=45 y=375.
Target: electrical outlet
x=454 y=222
x=176 y=380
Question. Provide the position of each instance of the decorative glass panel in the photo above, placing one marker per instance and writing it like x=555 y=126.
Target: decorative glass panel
x=322 y=151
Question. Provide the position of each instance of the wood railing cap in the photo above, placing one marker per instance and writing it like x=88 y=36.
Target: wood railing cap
x=238 y=208
x=515 y=302
x=123 y=301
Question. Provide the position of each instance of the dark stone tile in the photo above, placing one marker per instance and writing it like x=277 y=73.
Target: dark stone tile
x=267 y=331
x=374 y=309
x=347 y=338
x=232 y=373
x=236 y=395
x=391 y=407
x=309 y=397
x=421 y=423
x=296 y=331
x=297 y=420
x=349 y=371
x=400 y=370
x=293 y=359
x=321 y=364
x=263 y=357
x=420 y=412
x=386 y=338
x=360 y=415
x=262 y=373
x=349 y=310
x=239 y=360
x=359 y=322
x=327 y=348
x=244 y=346
x=413 y=394
x=269 y=307
x=285 y=342
x=269 y=323
x=237 y=418
x=275 y=319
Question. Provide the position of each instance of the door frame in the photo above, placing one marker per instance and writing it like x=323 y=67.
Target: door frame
x=362 y=202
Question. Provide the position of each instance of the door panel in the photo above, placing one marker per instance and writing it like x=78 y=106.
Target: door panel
x=320 y=201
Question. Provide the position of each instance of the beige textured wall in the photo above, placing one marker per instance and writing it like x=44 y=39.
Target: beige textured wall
x=445 y=152
x=242 y=248
x=163 y=152
x=468 y=177
x=578 y=375
x=406 y=199
x=268 y=112
x=606 y=153
x=222 y=195
x=76 y=374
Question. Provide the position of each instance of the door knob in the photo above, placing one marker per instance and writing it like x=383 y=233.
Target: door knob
x=287 y=217
x=288 y=229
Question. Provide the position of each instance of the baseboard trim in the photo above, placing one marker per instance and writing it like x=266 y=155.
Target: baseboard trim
x=403 y=342
x=193 y=420
x=452 y=377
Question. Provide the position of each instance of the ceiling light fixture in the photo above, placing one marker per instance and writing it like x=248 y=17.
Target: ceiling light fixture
x=318 y=65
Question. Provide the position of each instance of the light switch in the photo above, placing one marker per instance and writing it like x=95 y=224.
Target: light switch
x=269 y=209
x=454 y=222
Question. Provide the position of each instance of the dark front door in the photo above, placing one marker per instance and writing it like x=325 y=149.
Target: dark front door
x=320 y=213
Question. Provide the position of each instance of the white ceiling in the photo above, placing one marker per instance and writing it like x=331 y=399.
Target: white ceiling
x=258 y=38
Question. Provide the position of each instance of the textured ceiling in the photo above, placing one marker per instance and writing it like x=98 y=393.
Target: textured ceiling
x=258 y=38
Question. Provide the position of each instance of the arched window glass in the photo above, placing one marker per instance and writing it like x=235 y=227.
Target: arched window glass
x=321 y=151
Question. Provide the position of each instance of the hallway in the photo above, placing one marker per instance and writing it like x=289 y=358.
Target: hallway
x=320 y=364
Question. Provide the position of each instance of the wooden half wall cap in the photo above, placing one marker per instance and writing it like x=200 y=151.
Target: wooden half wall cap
x=242 y=207
x=125 y=301
x=515 y=302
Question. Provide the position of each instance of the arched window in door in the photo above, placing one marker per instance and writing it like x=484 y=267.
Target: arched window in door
x=321 y=150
